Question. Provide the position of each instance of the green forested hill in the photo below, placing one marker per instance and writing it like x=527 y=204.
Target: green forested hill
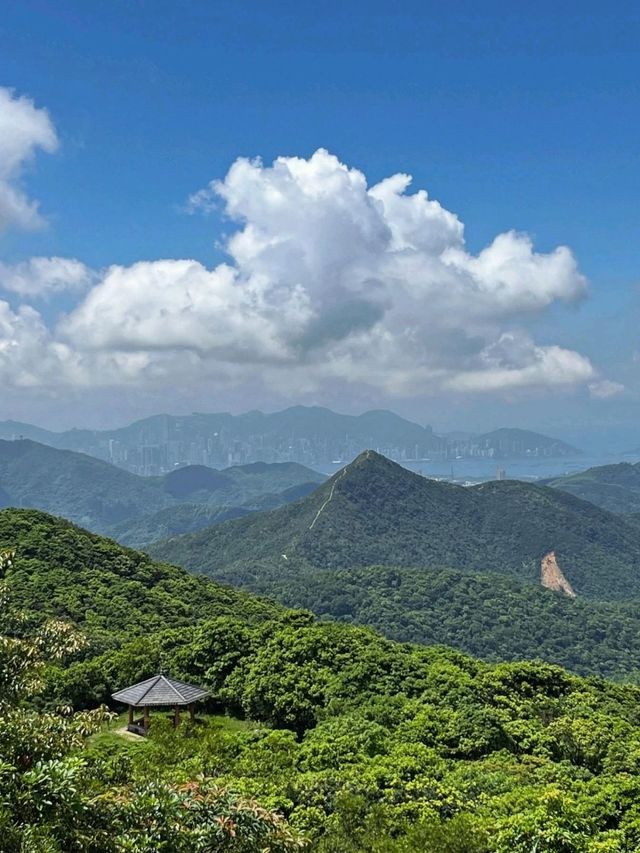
x=112 y=593
x=115 y=594
x=613 y=487
x=364 y=744
x=493 y=617
x=174 y=521
x=74 y=485
x=360 y=744
x=375 y=512
x=137 y=509
x=239 y=485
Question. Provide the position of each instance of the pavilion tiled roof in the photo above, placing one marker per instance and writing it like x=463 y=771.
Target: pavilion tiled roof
x=160 y=690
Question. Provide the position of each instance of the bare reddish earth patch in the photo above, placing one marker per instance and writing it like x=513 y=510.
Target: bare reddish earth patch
x=551 y=576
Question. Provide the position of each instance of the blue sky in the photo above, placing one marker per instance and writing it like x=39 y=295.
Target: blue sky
x=512 y=116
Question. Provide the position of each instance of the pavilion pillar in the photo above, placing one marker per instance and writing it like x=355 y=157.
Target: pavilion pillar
x=176 y=718
x=192 y=712
x=146 y=718
x=130 y=715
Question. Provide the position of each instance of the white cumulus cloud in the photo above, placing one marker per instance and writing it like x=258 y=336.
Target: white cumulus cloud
x=181 y=305
x=515 y=361
x=44 y=276
x=24 y=128
x=30 y=356
x=332 y=279
x=603 y=389
x=329 y=280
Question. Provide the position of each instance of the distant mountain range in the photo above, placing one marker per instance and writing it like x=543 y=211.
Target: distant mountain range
x=137 y=509
x=515 y=444
x=312 y=436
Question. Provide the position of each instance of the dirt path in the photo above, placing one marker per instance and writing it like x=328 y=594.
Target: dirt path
x=329 y=499
x=127 y=735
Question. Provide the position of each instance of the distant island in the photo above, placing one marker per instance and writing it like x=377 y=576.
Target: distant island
x=309 y=435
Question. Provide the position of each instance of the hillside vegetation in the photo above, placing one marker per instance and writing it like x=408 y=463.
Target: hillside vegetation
x=460 y=566
x=61 y=794
x=115 y=594
x=112 y=593
x=493 y=617
x=137 y=509
x=376 y=512
x=613 y=487
x=352 y=743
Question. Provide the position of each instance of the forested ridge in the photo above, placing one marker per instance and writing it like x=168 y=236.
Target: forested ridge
x=338 y=739
x=492 y=616
x=376 y=512
x=135 y=509
x=110 y=592
x=462 y=565
x=612 y=487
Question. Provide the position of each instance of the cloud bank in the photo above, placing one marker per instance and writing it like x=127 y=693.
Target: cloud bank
x=331 y=279
x=328 y=280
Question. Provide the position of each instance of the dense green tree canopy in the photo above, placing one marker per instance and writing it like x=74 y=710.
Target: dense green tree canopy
x=366 y=744
x=57 y=798
x=335 y=738
x=112 y=593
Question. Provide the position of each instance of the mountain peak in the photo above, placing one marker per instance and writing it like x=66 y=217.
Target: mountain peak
x=372 y=459
x=374 y=512
x=372 y=468
x=368 y=456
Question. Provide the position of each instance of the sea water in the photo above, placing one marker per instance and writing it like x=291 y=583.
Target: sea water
x=479 y=470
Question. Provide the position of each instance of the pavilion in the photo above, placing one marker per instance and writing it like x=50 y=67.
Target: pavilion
x=158 y=692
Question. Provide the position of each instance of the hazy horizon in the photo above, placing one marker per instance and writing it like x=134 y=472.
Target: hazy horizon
x=610 y=441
